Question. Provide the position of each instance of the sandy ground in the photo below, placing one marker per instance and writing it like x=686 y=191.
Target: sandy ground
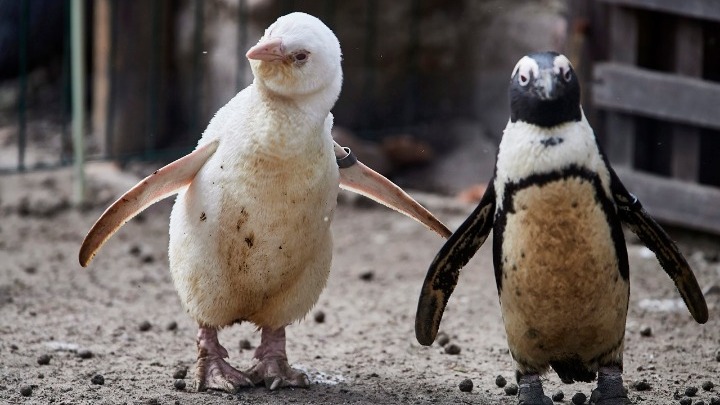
x=363 y=353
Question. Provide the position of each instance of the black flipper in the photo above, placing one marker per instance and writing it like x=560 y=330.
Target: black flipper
x=633 y=215
x=442 y=276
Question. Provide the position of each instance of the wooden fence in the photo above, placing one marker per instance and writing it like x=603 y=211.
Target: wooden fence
x=655 y=95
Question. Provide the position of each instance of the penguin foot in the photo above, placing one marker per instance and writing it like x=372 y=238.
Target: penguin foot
x=272 y=367
x=276 y=373
x=211 y=371
x=610 y=389
x=531 y=391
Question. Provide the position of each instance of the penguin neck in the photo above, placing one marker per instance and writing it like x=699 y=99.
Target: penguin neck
x=316 y=104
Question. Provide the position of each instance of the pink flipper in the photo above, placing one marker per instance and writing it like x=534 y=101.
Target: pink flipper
x=163 y=183
x=211 y=371
x=362 y=180
x=272 y=367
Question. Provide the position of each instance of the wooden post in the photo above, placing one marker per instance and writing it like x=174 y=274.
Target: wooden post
x=620 y=128
x=101 y=74
x=77 y=64
x=688 y=62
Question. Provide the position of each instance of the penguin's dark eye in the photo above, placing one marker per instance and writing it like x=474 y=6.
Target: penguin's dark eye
x=301 y=57
x=523 y=80
x=567 y=75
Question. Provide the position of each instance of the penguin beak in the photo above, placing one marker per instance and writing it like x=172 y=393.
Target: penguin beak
x=267 y=50
x=545 y=86
x=363 y=180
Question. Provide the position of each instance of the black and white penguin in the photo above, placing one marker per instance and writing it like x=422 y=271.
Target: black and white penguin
x=561 y=266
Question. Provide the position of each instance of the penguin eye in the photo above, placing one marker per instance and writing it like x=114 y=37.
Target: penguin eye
x=523 y=80
x=300 y=57
x=567 y=75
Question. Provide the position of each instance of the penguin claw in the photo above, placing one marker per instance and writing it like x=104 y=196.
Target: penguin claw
x=277 y=373
x=217 y=374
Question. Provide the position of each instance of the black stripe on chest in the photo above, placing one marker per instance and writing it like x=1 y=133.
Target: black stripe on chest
x=541 y=179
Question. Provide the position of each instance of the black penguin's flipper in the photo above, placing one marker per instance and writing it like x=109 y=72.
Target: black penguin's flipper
x=442 y=276
x=633 y=215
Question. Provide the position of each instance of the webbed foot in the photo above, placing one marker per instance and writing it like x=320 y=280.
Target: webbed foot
x=272 y=367
x=610 y=389
x=531 y=391
x=211 y=371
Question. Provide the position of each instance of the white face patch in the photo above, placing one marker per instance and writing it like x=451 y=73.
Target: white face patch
x=562 y=66
x=524 y=67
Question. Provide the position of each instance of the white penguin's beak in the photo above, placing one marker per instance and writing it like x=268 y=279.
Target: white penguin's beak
x=270 y=49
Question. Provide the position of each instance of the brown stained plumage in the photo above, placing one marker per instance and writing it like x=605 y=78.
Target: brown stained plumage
x=561 y=290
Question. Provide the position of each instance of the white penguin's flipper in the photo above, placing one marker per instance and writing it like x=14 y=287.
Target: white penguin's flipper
x=633 y=215
x=360 y=179
x=442 y=276
x=163 y=183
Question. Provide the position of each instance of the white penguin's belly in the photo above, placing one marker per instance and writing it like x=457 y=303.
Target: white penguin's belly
x=254 y=245
x=562 y=293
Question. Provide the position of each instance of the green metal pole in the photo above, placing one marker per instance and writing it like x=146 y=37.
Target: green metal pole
x=78 y=91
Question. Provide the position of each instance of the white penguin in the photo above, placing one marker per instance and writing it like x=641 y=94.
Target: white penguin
x=555 y=207
x=250 y=236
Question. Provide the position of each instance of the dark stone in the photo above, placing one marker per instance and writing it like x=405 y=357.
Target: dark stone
x=85 y=354
x=180 y=373
x=26 y=390
x=511 y=389
x=708 y=385
x=44 y=360
x=500 y=381
x=691 y=391
x=98 y=379
x=245 y=344
x=466 y=385
x=442 y=339
x=686 y=401
x=452 y=349
x=641 y=385
x=558 y=396
x=579 y=398
x=144 y=326
x=646 y=331
x=179 y=384
x=367 y=276
x=172 y=325
x=319 y=316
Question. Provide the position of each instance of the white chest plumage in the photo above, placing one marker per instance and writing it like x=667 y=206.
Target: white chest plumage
x=250 y=238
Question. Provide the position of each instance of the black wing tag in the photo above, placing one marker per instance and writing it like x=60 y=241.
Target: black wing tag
x=442 y=276
x=633 y=215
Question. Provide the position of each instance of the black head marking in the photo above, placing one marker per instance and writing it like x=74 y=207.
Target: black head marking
x=544 y=90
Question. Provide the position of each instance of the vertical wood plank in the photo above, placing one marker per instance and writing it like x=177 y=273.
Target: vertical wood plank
x=101 y=74
x=688 y=62
x=620 y=128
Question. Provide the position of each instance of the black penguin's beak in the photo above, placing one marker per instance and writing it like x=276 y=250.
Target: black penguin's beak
x=545 y=85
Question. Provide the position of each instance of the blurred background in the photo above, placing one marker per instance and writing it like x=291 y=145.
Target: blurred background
x=424 y=99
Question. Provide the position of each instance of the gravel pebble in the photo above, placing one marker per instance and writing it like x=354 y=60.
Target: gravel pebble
x=466 y=385
x=714 y=401
x=511 y=389
x=144 y=326
x=686 y=401
x=367 y=276
x=44 y=360
x=708 y=385
x=98 y=379
x=172 y=325
x=558 y=396
x=452 y=349
x=245 y=344
x=691 y=391
x=442 y=339
x=85 y=354
x=179 y=384
x=500 y=381
x=646 y=331
x=319 y=316
x=579 y=398
x=641 y=385
x=180 y=373
x=26 y=390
